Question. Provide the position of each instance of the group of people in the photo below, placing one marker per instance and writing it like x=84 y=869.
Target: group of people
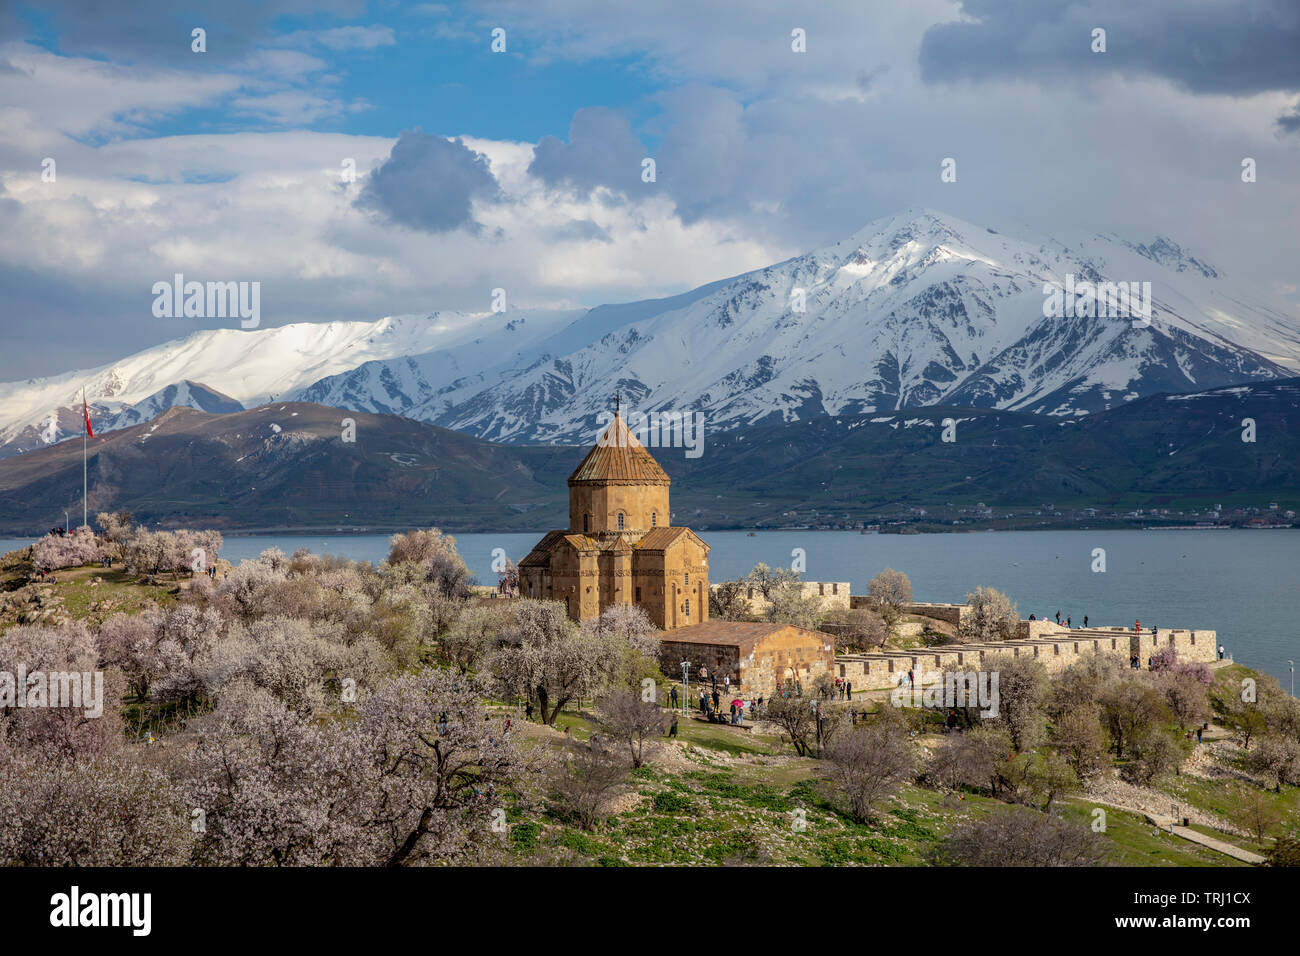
x=1069 y=621
x=843 y=689
x=711 y=707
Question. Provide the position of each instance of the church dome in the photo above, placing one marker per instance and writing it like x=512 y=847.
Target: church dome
x=618 y=456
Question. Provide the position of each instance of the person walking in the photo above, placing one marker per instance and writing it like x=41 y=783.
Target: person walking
x=911 y=678
x=672 y=695
x=1220 y=652
x=1058 y=617
x=672 y=728
x=1068 y=624
x=848 y=690
x=1085 y=620
x=528 y=711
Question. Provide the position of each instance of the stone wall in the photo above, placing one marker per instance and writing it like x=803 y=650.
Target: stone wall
x=834 y=595
x=952 y=613
x=788 y=655
x=1055 y=652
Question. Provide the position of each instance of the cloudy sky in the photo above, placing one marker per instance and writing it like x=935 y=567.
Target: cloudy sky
x=522 y=169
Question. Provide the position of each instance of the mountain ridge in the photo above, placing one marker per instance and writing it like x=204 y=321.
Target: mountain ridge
x=290 y=465
x=911 y=310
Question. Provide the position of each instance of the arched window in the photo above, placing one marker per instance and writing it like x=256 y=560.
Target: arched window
x=654 y=520
x=620 y=521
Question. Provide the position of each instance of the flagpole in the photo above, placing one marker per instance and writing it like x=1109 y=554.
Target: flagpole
x=86 y=419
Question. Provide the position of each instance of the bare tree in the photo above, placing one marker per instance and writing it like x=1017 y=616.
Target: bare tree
x=1277 y=760
x=1130 y=708
x=1018 y=836
x=797 y=720
x=631 y=721
x=1080 y=737
x=1258 y=815
x=1022 y=693
x=973 y=759
x=862 y=630
x=1187 y=698
x=729 y=601
x=584 y=779
x=869 y=764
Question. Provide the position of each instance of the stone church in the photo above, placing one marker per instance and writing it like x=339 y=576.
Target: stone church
x=620 y=546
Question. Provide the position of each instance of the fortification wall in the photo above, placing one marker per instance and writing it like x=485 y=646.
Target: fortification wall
x=834 y=596
x=1191 y=645
x=1055 y=651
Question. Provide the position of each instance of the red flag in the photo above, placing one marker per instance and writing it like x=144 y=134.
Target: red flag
x=85 y=410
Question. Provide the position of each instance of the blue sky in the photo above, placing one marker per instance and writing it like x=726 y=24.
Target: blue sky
x=523 y=170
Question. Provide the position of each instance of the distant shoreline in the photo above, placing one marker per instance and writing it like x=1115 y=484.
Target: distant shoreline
x=361 y=531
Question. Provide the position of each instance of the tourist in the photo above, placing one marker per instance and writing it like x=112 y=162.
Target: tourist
x=848 y=690
x=1067 y=623
x=717 y=699
x=1199 y=731
x=1085 y=620
x=911 y=678
x=672 y=728
x=704 y=702
x=1031 y=617
x=673 y=696
x=1058 y=617
x=1137 y=626
x=1220 y=652
x=726 y=684
x=528 y=711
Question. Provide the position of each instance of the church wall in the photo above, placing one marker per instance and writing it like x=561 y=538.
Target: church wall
x=603 y=503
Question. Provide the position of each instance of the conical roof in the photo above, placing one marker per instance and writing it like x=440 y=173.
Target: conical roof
x=618 y=456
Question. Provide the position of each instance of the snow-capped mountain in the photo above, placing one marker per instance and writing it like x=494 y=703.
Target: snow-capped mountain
x=184 y=394
x=915 y=309
x=246 y=368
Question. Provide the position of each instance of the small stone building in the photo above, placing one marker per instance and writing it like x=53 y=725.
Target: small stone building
x=760 y=658
x=620 y=546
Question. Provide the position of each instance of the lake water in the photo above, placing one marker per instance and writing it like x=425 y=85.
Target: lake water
x=1240 y=583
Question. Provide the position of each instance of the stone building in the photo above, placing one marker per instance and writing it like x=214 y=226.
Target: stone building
x=760 y=658
x=620 y=546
